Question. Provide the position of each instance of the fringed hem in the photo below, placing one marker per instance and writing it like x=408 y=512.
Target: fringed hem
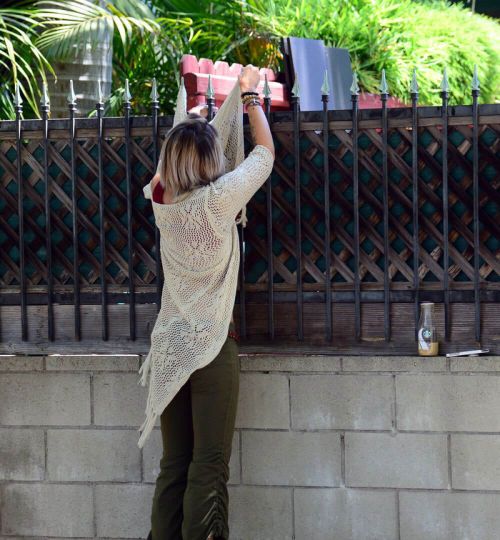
x=144 y=370
x=152 y=412
x=151 y=415
x=146 y=428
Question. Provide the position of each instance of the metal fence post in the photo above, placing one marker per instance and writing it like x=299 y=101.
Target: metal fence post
x=444 y=148
x=414 y=169
x=269 y=224
x=325 y=92
x=45 y=107
x=384 y=94
x=295 y=99
x=102 y=234
x=355 y=119
x=74 y=211
x=18 y=107
x=155 y=107
x=130 y=232
x=475 y=201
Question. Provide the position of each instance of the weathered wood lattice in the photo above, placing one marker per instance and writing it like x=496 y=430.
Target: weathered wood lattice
x=269 y=312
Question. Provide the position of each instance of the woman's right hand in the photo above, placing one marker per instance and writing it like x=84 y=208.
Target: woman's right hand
x=249 y=78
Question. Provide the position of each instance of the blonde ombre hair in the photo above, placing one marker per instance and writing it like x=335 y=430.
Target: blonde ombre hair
x=191 y=155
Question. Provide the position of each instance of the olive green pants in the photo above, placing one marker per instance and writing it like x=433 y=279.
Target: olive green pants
x=197 y=426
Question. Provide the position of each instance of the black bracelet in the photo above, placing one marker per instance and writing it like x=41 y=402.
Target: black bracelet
x=249 y=94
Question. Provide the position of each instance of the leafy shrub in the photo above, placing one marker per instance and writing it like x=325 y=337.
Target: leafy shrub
x=397 y=35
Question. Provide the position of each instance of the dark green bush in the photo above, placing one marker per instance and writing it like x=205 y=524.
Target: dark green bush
x=397 y=35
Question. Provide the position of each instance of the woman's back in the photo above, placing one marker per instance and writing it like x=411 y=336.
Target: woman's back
x=199 y=240
x=195 y=228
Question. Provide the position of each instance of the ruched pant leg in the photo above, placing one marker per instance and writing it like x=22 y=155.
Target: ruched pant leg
x=214 y=398
x=177 y=436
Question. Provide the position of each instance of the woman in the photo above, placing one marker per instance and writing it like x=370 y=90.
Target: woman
x=193 y=362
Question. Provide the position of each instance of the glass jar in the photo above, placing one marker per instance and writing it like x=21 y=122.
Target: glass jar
x=427 y=338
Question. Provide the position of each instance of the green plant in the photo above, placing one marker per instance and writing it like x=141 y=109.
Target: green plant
x=20 y=59
x=397 y=35
x=205 y=29
x=35 y=33
x=150 y=37
x=68 y=23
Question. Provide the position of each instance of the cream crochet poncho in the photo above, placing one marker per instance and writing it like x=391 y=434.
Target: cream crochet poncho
x=200 y=258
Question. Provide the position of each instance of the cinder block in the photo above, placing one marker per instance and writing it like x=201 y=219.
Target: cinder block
x=22 y=454
x=45 y=399
x=119 y=400
x=47 y=510
x=403 y=460
x=263 y=401
x=128 y=362
x=291 y=458
x=123 y=510
x=290 y=363
x=475 y=462
x=153 y=451
x=341 y=401
x=344 y=514
x=448 y=402
x=93 y=455
x=394 y=363
x=449 y=516
x=21 y=363
x=260 y=513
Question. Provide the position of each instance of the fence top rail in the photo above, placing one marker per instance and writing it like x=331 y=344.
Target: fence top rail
x=486 y=111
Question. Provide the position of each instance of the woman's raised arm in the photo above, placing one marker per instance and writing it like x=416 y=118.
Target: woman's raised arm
x=259 y=126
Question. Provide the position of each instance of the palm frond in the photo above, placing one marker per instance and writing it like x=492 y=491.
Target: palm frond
x=69 y=24
x=20 y=59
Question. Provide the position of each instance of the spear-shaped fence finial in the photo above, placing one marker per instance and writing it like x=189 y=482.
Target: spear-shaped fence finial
x=475 y=80
x=210 y=89
x=295 y=87
x=154 y=91
x=126 y=94
x=99 y=92
x=354 y=86
x=266 y=90
x=325 y=87
x=445 y=87
x=384 y=89
x=414 y=83
x=71 y=94
x=45 y=102
x=18 y=100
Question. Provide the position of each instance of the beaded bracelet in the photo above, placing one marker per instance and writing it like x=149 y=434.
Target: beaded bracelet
x=250 y=99
x=253 y=102
x=243 y=94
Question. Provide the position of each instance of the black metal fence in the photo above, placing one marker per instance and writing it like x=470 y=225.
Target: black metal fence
x=380 y=208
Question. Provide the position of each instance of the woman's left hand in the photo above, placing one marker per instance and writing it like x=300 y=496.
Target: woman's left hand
x=202 y=110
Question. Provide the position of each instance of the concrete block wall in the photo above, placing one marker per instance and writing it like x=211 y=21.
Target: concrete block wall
x=327 y=448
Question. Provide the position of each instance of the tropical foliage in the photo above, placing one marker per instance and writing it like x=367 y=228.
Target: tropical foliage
x=20 y=59
x=150 y=37
x=397 y=36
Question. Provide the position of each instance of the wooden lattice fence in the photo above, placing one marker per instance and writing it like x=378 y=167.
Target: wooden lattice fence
x=378 y=269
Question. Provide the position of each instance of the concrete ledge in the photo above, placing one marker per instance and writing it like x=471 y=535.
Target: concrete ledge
x=94 y=362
